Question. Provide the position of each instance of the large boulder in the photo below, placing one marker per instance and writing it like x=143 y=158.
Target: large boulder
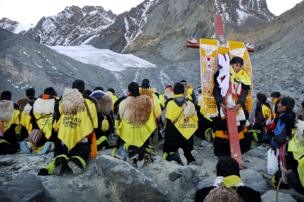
x=25 y=187
x=254 y=180
x=127 y=183
x=270 y=196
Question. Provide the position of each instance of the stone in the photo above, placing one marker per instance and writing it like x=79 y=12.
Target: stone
x=25 y=187
x=127 y=183
x=253 y=179
x=270 y=196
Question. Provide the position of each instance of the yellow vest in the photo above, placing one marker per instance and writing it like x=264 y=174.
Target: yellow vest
x=114 y=98
x=241 y=76
x=72 y=128
x=45 y=123
x=189 y=94
x=297 y=148
x=14 y=120
x=138 y=135
x=266 y=111
x=162 y=100
x=186 y=126
x=25 y=120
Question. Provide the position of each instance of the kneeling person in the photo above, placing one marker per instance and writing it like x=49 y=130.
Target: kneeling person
x=181 y=124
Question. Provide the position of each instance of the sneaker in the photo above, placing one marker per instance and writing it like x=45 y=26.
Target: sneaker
x=113 y=137
x=140 y=163
x=197 y=157
x=209 y=135
x=25 y=149
x=179 y=157
x=121 y=154
x=58 y=170
x=76 y=170
x=47 y=147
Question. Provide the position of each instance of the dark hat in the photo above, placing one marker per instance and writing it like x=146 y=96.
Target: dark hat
x=6 y=95
x=237 y=60
x=87 y=93
x=227 y=166
x=133 y=89
x=261 y=98
x=111 y=90
x=79 y=84
x=183 y=81
x=97 y=94
x=288 y=102
x=30 y=92
x=50 y=91
x=179 y=88
x=98 y=88
x=145 y=83
x=275 y=94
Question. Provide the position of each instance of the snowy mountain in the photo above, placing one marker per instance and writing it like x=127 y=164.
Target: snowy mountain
x=72 y=26
x=14 y=26
x=126 y=28
x=25 y=63
x=103 y=58
x=157 y=20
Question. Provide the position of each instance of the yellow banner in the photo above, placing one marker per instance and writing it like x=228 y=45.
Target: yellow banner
x=238 y=48
x=208 y=60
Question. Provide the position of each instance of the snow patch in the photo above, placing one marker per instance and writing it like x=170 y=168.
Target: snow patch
x=242 y=16
x=127 y=27
x=104 y=58
x=89 y=39
x=138 y=22
x=23 y=27
x=225 y=14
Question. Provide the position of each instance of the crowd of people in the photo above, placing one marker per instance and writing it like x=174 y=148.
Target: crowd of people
x=76 y=125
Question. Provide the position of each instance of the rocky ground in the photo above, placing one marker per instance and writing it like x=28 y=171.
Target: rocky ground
x=110 y=179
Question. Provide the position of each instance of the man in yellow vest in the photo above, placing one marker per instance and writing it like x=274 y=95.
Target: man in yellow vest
x=241 y=85
x=8 y=120
x=136 y=123
x=181 y=124
x=295 y=159
x=75 y=128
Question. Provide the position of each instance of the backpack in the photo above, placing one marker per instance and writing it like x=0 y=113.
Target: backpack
x=6 y=110
x=223 y=194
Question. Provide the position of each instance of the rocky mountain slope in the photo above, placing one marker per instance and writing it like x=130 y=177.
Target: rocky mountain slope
x=14 y=26
x=8 y=24
x=25 y=63
x=169 y=22
x=72 y=26
x=110 y=179
x=278 y=62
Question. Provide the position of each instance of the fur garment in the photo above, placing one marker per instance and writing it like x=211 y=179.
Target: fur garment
x=136 y=110
x=103 y=103
x=189 y=109
x=72 y=101
x=22 y=102
x=44 y=106
x=6 y=110
x=146 y=91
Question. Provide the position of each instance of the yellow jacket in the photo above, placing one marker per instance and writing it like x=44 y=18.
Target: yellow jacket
x=14 y=120
x=183 y=117
x=297 y=148
x=138 y=135
x=72 y=128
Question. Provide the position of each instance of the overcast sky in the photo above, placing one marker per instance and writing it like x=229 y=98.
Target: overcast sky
x=30 y=11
